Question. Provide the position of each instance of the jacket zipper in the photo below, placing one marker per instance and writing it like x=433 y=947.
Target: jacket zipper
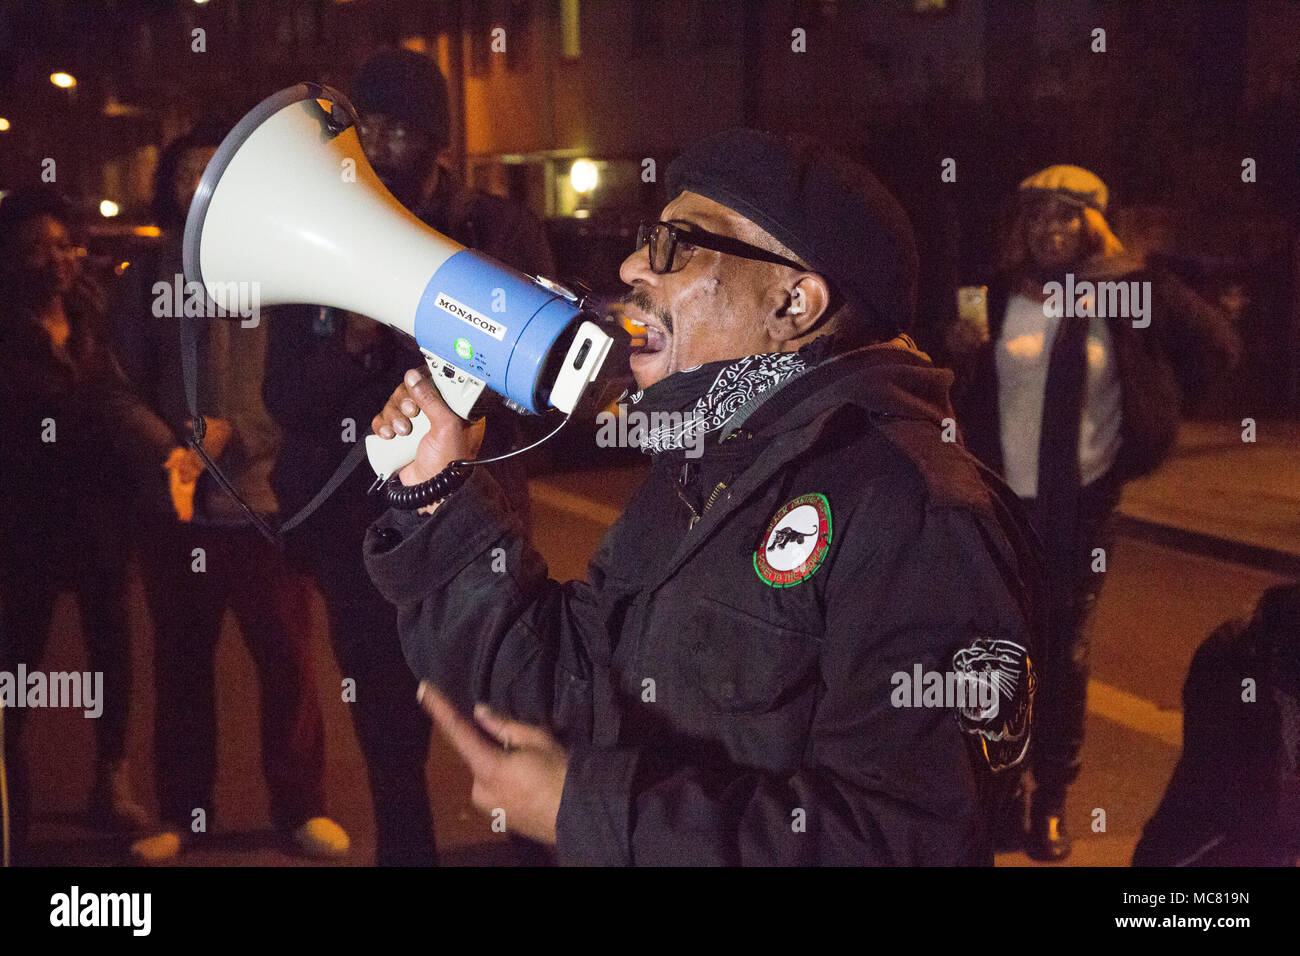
x=697 y=515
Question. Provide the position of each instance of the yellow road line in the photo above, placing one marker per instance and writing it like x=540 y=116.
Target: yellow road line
x=1135 y=713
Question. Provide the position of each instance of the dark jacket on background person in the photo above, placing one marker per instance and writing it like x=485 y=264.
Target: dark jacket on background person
x=1187 y=345
x=502 y=228
x=231 y=358
x=93 y=447
x=313 y=387
x=1234 y=797
x=703 y=707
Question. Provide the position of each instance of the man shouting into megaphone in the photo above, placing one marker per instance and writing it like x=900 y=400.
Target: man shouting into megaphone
x=725 y=686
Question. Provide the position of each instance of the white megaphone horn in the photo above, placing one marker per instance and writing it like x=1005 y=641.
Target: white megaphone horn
x=290 y=203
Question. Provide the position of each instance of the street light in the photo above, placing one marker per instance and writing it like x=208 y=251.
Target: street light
x=108 y=209
x=64 y=80
x=4 y=125
x=583 y=176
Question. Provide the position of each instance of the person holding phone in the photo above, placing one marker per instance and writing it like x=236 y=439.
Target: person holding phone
x=1068 y=400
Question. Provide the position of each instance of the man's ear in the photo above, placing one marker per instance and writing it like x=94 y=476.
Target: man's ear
x=800 y=305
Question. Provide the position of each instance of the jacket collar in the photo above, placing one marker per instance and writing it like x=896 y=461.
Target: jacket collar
x=888 y=381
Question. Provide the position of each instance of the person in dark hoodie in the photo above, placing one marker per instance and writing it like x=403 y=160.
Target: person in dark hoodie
x=405 y=129
x=732 y=683
x=1234 y=797
x=325 y=369
x=1070 y=397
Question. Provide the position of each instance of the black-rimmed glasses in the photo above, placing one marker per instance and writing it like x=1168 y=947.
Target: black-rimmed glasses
x=671 y=245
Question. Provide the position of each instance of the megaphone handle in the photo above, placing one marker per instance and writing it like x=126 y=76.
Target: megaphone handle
x=389 y=455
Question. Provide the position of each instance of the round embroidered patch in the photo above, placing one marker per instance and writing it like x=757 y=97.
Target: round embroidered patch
x=796 y=541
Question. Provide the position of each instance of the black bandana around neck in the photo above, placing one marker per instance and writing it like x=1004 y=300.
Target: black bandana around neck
x=685 y=406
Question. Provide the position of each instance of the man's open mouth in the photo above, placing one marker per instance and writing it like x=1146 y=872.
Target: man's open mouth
x=647 y=339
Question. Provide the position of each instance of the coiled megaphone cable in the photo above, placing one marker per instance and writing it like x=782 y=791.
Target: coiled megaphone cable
x=442 y=485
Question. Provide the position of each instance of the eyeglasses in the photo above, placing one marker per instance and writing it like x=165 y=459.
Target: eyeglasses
x=671 y=246
x=373 y=127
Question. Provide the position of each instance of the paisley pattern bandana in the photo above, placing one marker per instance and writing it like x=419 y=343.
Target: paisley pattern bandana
x=680 y=415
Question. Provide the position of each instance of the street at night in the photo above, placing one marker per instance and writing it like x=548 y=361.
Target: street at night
x=1159 y=602
x=444 y=443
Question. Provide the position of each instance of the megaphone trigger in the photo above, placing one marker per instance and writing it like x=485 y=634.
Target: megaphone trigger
x=459 y=389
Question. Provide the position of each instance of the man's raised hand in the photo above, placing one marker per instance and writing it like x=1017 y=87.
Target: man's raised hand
x=521 y=774
x=450 y=437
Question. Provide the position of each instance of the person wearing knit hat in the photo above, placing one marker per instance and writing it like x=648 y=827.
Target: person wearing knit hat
x=324 y=366
x=1067 y=405
x=405 y=130
x=401 y=97
x=727 y=685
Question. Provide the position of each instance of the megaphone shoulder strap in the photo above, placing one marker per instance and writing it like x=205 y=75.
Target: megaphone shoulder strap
x=190 y=372
x=355 y=457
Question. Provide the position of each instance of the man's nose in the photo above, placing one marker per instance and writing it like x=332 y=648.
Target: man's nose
x=636 y=267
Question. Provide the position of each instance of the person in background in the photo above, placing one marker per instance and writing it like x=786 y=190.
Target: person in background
x=326 y=368
x=60 y=487
x=348 y=361
x=1067 y=407
x=405 y=130
x=1234 y=797
x=188 y=519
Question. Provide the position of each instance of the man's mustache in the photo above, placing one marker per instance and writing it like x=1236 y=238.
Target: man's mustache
x=641 y=300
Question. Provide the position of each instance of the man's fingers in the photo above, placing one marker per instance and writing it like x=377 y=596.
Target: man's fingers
x=395 y=418
x=510 y=733
x=428 y=398
x=477 y=753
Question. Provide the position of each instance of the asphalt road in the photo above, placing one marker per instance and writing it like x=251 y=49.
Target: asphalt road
x=1156 y=606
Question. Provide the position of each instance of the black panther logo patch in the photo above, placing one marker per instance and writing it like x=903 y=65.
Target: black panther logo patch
x=1003 y=727
x=795 y=542
x=786 y=536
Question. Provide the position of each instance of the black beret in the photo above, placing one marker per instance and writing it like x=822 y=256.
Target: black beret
x=407 y=86
x=831 y=213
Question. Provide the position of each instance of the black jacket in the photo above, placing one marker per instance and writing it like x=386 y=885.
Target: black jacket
x=502 y=228
x=83 y=396
x=1186 y=346
x=1234 y=797
x=312 y=388
x=704 y=708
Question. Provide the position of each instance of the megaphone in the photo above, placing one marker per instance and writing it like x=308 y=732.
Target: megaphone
x=290 y=203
